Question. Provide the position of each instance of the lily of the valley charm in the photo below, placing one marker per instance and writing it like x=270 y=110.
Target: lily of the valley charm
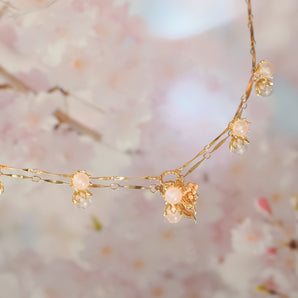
x=263 y=78
x=239 y=127
x=80 y=182
x=180 y=199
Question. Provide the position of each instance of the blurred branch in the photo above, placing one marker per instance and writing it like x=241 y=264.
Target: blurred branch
x=67 y=93
x=80 y=128
x=16 y=84
x=5 y=87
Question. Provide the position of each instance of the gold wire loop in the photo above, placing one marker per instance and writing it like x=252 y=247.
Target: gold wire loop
x=114 y=186
x=244 y=99
x=176 y=173
x=207 y=155
x=35 y=178
x=244 y=106
x=154 y=188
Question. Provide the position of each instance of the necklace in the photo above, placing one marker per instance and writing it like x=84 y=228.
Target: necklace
x=179 y=196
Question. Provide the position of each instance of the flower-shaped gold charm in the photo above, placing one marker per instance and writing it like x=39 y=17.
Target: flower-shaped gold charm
x=239 y=127
x=263 y=78
x=180 y=200
x=80 y=182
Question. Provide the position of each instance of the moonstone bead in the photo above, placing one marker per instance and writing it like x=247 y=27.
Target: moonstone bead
x=265 y=90
x=84 y=203
x=266 y=68
x=80 y=181
x=240 y=128
x=173 y=195
x=173 y=217
x=240 y=148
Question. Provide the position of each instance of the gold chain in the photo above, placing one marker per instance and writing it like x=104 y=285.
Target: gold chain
x=179 y=198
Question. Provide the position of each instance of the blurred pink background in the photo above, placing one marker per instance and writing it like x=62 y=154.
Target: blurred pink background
x=155 y=81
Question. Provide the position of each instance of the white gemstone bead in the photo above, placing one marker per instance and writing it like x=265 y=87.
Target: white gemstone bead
x=265 y=90
x=173 y=217
x=240 y=128
x=240 y=148
x=266 y=68
x=173 y=195
x=84 y=203
x=80 y=181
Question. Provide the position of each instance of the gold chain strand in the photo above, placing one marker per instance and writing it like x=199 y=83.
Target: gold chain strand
x=252 y=36
x=119 y=178
x=180 y=197
x=206 y=155
x=244 y=98
x=35 y=171
x=33 y=178
x=205 y=151
x=242 y=104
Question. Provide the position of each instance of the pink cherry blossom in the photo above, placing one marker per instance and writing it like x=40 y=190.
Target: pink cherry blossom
x=262 y=206
x=251 y=238
x=271 y=251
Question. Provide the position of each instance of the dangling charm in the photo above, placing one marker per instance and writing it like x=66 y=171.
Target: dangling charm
x=80 y=182
x=239 y=127
x=180 y=199
x=263 y=78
